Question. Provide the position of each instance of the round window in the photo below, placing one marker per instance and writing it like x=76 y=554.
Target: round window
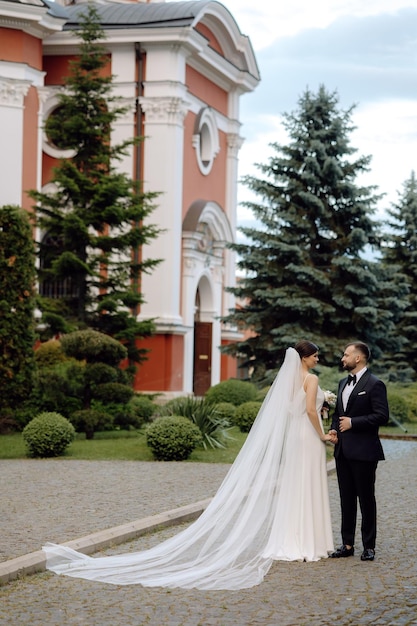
x=206 y=140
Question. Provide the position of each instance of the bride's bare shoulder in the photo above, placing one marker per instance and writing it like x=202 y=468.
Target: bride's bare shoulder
x=310 y=380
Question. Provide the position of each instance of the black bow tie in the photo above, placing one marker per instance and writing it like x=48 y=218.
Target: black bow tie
x=351 y=379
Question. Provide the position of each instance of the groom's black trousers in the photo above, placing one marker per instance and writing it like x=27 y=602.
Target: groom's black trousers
x=357 y=482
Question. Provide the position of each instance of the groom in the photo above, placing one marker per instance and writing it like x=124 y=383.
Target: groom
x=360 y=409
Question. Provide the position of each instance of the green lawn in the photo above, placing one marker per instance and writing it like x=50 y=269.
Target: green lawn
x=123 y=446
x=131 y=446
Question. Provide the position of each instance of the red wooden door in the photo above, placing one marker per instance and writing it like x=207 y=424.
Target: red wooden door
x=202 y=357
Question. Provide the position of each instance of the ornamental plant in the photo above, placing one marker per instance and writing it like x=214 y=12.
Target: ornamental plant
x=94 y=217
x=139 y=411
x=172 y=438
x=232 y=390
x=17 y=328
x=226 y=410
x=245 y=415
x=48 y=435
x=211 y=424
x=305 y=262
x=103 y=386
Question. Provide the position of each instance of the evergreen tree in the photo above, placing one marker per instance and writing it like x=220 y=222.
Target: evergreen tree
x=96 y=216
x=400 y=249
x=17 y=333
x=305 y=270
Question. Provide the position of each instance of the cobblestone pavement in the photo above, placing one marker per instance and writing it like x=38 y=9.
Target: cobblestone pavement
x=63 y=499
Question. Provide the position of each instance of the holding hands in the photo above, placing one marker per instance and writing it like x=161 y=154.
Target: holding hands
x=345 y=423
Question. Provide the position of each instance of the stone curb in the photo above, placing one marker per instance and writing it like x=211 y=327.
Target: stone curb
x=34 y=562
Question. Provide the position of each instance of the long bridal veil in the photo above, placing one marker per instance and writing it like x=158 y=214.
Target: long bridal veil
x=225 y=547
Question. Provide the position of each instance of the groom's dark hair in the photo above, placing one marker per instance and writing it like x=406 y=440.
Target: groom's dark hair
x=361 y=347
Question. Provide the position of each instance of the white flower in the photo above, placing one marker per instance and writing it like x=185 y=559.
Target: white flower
x=330 y=398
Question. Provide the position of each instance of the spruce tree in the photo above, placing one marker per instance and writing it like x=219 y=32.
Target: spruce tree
x=96 y=217
x=400 y=249
x=305 y=270
x=17 y=302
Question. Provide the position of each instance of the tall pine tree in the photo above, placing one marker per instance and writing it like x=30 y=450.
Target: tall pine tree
x=400 y=249
x=17 y=303
x=97 y=215
x=305 y=265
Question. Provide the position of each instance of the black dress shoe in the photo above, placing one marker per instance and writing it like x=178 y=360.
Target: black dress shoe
x=368 y=555
x=343 y=552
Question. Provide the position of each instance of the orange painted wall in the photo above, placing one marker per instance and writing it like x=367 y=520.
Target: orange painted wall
x=57 y=68
x=213 y=41
x=20 y=47
x=206 y=90
x=195 y=185
x=30 y=147
x=228 y=365
x=163 y=371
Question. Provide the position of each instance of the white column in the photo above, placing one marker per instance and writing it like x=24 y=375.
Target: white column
x=123 y=66
x=165 y=105
x=234 y=143
x=12 y=95
x=217 y=274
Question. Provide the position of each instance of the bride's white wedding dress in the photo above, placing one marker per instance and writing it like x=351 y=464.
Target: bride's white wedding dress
x=273 y=504
x=302 y=527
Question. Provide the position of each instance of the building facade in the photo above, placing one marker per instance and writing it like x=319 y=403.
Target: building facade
x=180 y=68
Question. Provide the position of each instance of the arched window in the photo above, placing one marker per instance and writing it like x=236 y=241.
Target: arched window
x=49 y=285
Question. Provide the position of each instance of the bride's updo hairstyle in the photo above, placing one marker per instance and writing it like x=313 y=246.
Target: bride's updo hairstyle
x=306 y=348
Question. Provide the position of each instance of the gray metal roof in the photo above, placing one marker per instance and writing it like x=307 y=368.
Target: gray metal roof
x=145 y=15
x=54 y=9
x=38 y=3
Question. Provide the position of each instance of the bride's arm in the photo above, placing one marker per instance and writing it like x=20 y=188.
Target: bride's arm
x=311 y=386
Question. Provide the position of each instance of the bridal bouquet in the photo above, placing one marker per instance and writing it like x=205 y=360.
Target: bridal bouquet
x=329 y=401
x=330 y=398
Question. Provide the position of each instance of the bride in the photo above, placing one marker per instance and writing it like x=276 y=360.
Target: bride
x=272 y=505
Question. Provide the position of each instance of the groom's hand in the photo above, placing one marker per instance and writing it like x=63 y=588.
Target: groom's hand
x=345 y=423
x=333 y=435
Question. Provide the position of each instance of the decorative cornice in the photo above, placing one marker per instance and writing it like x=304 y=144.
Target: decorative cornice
x=13 y=92
x=234 y=144
x=43 y=94
x=164 y=110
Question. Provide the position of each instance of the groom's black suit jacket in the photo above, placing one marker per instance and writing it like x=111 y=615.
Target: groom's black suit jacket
x=368 y=409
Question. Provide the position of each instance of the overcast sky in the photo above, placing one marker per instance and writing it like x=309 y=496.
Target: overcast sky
x=366 y=50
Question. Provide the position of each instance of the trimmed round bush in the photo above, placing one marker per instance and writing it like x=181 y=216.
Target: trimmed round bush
x=93 y=346
x=99 y=373
x=398 y=406
x=48 y=435
x=262 y=393
x=113 y=392
x=226 y=410
x=235 y=391
x=49 y=353
x=172 y=438
x=88 y=421
x=245 y=415
x=141 y=409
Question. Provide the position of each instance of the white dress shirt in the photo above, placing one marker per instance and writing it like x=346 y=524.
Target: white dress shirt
x=349 y=388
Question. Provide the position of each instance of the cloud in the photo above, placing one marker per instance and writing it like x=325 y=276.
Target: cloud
x=364 y=58
x=371 y=62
